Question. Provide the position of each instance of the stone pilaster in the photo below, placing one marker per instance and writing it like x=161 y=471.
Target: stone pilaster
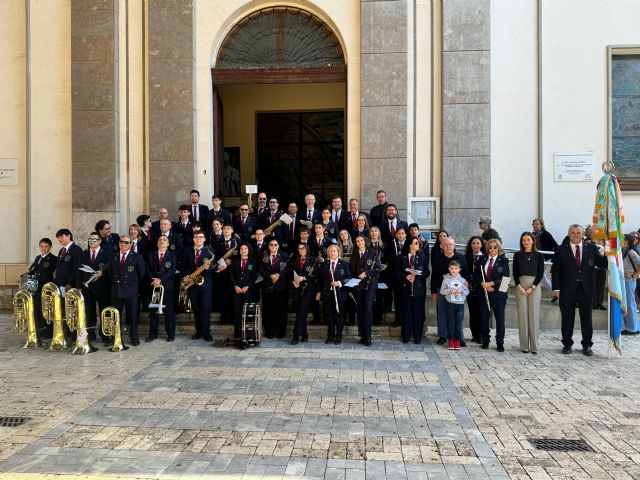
x=171 y=126
x=466 y=115
x=383 y=104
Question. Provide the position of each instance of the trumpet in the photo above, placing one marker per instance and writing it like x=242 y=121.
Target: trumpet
x=110 y=323
x=25 y=320
x=77 y=322
x=157 y=299
x=52 y=312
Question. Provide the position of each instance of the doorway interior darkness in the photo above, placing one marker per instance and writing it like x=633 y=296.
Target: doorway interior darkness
x=300 y=153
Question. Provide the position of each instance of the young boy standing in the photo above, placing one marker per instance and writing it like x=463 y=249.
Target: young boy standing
x=455 y=290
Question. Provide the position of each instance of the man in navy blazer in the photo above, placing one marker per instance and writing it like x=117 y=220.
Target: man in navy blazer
x=197 y=213
x=155 y=226
x=175 y=239
x=68 y=260
x=218 y=212
x=245 y=224
x=310 y=213
x=339 y=216
x=96 y=293
x=391 y=223
x=573 y=282
x=161 y=270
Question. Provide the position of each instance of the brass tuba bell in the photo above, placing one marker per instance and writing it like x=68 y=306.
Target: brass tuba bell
x=25 y=320
x=52 y=312
x=75 y=316
x=110 y=323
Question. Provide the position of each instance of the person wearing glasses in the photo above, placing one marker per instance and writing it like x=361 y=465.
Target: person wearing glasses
x=95 y=293
x=273 y=216
x=333 y=275
x=261 y=211
x=127 y=271
x=161 y=271
x=200 y=295
x=304 y=283
x=493 y=268
x=242 y=276
x=109 y=239
x=274 y=269
x=245 y=224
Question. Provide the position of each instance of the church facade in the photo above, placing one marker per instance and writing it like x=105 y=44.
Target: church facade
x=114 y=108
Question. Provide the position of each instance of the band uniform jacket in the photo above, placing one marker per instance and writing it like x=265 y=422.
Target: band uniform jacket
x=566 y=275
x=262 y=215
x=220 y=248
x=99 y=286
x=394 y=252
x=341 y=274
x=316 y=216
x=223 y=215
x=203 y=212
x=185 y=231
x=281 y=267
x=155 y=228
x=288 y=238
x=369 y=264
x=247 y=230
x=310 y=270
x=420 y=262
x=277 y=232
x=110 y=243
x=322 y=250
x=126 y=281
x=353 y=226
x=241 y=279
x=140 y=247
x=330 y=230
x=66 y=267
x=499 y=270
x=165 y=272
x=189 y=266
x=43 y=268
x=175 y=242
x=386 y=233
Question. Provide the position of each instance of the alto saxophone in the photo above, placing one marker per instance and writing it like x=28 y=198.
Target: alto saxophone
x=195 y=278
x=231 y=251
x=272 y=227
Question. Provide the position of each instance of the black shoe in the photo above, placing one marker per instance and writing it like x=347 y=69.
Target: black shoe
x=362 y=341
x=602 y=307
x=485 y=345
x=305 y=338
x=463 y=343
x=338 y=340
x=170 y=339
x=534 y=352
x=135 y=342
x=524 y=351
x=294 y=341
x=441 y=341
x=405 y=341
x=418 y=342
x=270 y=337
x=207 y=338
x=150 y=339
x=566 y=350
x=500 y=348
x=476 y=339
x=328 y=340
x=367 y=343
x=626 y=332
x=396 y=324
x=197 y=336
x=587 y=351
x=554 y=299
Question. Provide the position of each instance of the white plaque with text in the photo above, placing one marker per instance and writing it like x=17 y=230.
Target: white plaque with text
x=573 y=167
x=8 y=171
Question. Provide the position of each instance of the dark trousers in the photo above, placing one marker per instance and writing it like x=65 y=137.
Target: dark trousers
x=475 y=322
x=130 y=305
x=601 y=279
x=364 y=299
x=91 y=302
x=169 y=312
x=455 y=318
x=238 y=305
x=413 y=323
x=44 y=330
x=223 y=297
x=351 y=308
x=568 y=312
x=274 y=314
x=201 y=306
x=334 y=319
x=302 y=304
x=398 y=301
x=378 y=306
x=498 y=301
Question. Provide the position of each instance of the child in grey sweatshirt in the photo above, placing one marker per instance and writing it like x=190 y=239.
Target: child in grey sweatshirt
x=455 y=290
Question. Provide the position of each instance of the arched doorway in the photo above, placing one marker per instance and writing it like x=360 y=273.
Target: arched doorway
x=279 y=85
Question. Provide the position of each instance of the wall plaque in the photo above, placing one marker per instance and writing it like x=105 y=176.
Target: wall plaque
x=8 y=171
x=573 y=167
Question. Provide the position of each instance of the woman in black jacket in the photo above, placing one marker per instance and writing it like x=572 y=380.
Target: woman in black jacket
x=365 y=265
x=475 y=250
x=305 y=270
x=274 y=269
x=242 y=275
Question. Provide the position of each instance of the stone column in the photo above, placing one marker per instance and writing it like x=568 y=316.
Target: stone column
x=94 y=73
x=466 y=115
x=383 y=104
x=171 y=127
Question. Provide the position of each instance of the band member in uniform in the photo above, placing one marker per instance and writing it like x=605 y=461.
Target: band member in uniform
x=200 y=295
x=475 y=249
x=334 y=274
x=184 y=226
x=489 y=276
x=126 y=270
x=320 y=242
x=218 y=212
x=242 y=275
x=68 y=260
x=414 y=289
x=339 y=216
x=109 y=240
x=376 y=242
x=97 y=292
x=43 y=268
x=414 y=232
x=346 y=249
x=161 y=271
x=361 y=227
x=330 y=228
x=155 y=226
x=274 y=269
x=261 y=211
x=175 y=240
x=365 y=265
x=144 y=222
x=138 y=245
x=222 y=294
x=215 y=233
x=273 y=216
x=311 y=214
x=198 y=213
x=391 y=224
x=291 y=231
x=245 y=224
x=304 y=286
x=354 y=213
x=393 y=256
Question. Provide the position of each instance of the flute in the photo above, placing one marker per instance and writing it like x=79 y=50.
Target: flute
x=486 y=294
x=335 y=292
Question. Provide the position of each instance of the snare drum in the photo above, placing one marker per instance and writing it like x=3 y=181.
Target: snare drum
x=251 y=323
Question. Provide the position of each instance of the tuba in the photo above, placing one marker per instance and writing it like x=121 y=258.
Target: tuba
x=25 y=320
x=110 y=322
x=76 y=319
x=157 y=299
x=52 y=312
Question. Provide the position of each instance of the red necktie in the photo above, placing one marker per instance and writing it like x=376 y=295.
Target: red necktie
x=291 y=227
x=333 y=268
x=197 y=256
x=354 y=219
x=93 y=256
x=392 y=230
x=273 y=218
x=244 y=265
x=148 y=234
x=319 y=242
x=161 y=258
x=244 y=219
x=301 y=264
x=375 y=244
x=578 y=261
x=63 y=253
x=273 y=262
x=490 y=267
x=195 y=213
x=122 y=258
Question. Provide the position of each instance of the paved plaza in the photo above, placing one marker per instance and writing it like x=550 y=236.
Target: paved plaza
x=188 y=410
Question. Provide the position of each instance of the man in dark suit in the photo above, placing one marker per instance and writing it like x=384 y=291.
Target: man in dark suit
x=573 y=282
x=273 y=216
x=197 y=213
x=161 y=270
x=43 y=268
x=200 y=295
x=96 y=293
x=261 y=211
x=155 y=226
x=339 y=216
x=109 y=240
x=319 y=243
x=379 y=212
x=218 y=212
x=245 y=224
x=392 y=223
x=310 y=213
x=354 y=212
x=144 y=222
x=184 y=225
x=68 y=260
x=291 y=231
x=126 y=270
x=222 y=295
x=175 y=240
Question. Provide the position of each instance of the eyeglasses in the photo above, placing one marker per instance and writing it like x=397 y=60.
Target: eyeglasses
x=92 y=240
x=262 y=198
x=124 y=241
x=107 y=227
x=198 y=236
x=244 y=209
x=272 y=202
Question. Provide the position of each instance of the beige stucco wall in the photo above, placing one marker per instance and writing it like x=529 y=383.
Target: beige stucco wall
x=213 y=20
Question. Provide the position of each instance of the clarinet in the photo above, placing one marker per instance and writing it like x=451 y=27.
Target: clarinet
x=319 y=259
x=377 y=266
x=335 y=291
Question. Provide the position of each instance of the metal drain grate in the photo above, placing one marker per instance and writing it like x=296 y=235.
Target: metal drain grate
x=560 y=445
x=13 y=421
x=632 y=414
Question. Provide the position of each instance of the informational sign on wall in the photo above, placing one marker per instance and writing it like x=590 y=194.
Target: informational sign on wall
x=425 y=211
x=573 y=167
x=8 y=171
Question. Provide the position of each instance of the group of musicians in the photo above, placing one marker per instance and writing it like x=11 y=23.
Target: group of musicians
x=347 y=263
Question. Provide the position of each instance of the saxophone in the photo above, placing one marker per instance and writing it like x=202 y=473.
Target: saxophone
x=195 y=278
x=232 y=251
x=272 y=227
